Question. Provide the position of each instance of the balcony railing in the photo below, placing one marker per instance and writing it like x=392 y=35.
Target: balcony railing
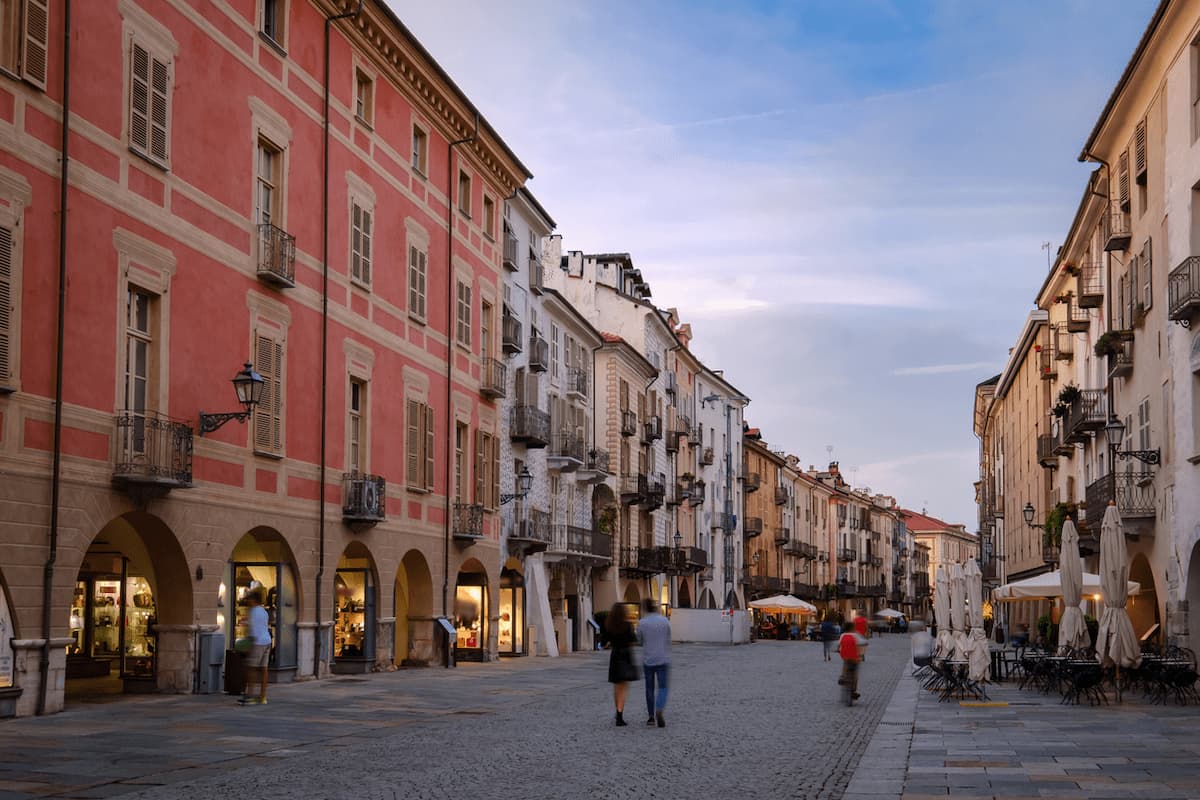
x=864 y=557
x=783 y=495
x=656 y=492
x=536 y=277
x=1133 y=493
x=602 y=545
x=1120 y=362
x=1061 y=446
x=1090 y=285
x=530 y=426
x=1045 y=451
x=696 y=494
x=1078 y=319
x=1088 y=413
x=363 y=498
x=573 y=539
x=510 y=334
x=672 y=441
x=1047 y=366
x=511 y=246
x=493 y=377
x=876 y=561
x=848 y=554
x=847 y=588
x=752 y=482
x=532 y=530
x=628 y=423
x=152 y=450
x=597 y=461
x=1183 y=291
x=805 y=591
x=1116 y=228
x=652 y=429
x=468 y=521
x=634 y=489
x=765 y=585
x=640 y=561
x=1062 y=341
x=539 y=353
x=752 y=527
x=276 y=256
x=783 y=535
x=568 y=452
x=577 y=383
x=706 y=458
x=723 y=522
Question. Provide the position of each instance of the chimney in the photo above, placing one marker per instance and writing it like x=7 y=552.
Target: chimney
x=833 y=468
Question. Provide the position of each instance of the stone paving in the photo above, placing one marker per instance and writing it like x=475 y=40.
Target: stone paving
x=762 y=720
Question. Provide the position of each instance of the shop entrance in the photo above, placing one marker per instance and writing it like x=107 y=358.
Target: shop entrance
x=262 y=562
x=413 y=599
x=511 y=634
x=127 y=584
x=471 y=613
x=1143 y=606
x=354 y=611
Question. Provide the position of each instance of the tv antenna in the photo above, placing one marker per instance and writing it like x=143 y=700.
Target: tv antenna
x=1046 y=246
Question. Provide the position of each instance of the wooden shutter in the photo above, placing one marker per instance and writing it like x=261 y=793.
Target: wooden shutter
x=413 y=443
x=268 y=356
x=429 y=448
x=7 y=306
x=139 y=99
x=495 y=499
x=1139 y=152
x=519 y=387
x=1147 y=276
x=480 y=454
x=35 y=41
x=1123 y=180
x=1132 y=289
x=158 y=110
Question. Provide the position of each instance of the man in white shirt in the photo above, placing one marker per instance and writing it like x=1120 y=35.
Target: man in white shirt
x=260 y=649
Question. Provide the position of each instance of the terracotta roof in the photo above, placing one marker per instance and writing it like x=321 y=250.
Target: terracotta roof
x=611 y=338
x=916 y=521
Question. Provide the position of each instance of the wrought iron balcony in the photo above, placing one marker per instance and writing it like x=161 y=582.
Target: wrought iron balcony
x=783 y=535
x=510 y=334
x=152 y=451
x=577 y=383
x=696 y=493
x=1183 y=291
x=602 y=545
x=539 y=353
x=629 y=423
x=793 y=546
x=1087 y=414
x=567 y=453
x=1061 y=446
x=672 y=441
x=896 y=597
x=511 y=246
x=1045 y=451
x=1120 y=362
x=805 y=591
x=669 y=381
x=1116 y=228
x=276 y=256
x=597 y=462
x=656 y=491
x=783 y=495
x=752 y=527
x=707 y=458
x=468 y=522
x=752 y=482
x=573 y=540
x=1078 y=319
x=530 y=426
x=864 y=557
x=848 y=554
x=1047 y=367
x=492 y=378
x=532 y=531
x=652 y=429
x=1062 y=342
x=642 y=561
x=634 y=489
x=847 y=588
x=876 y=561
x=1133 y=493
x=363 y=499
x=766 y=585
x=1050 y=553
x=1089 y=285
x=536 y=276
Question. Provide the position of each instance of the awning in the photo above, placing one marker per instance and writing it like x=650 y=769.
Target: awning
x=1049 y=584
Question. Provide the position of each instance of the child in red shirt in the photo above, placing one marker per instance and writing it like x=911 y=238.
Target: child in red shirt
x=851 y=653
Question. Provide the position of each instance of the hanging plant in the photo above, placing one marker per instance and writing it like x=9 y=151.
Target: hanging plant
x=1068 y=394
x=1060 y=410
x=1070 y=269
x=1109 y=344
x=1054 y=524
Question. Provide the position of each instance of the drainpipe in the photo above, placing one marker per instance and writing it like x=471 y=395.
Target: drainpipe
x=56 y=470
x=324 y=342
x=451 y=288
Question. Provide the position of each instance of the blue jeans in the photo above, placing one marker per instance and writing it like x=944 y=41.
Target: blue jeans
x=659 y=673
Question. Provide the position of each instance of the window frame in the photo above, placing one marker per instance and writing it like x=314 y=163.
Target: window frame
x=154 y=59
x=265 y=145
x=279 y=18
x=364 y=97
x=465 y=189
x=10 y=287
x=362 y=233
x=418 y=446
x=28 y=25
x=419 y=146
x=462 y=314
x=489 y=217
x=414 y=292
x=357 y=437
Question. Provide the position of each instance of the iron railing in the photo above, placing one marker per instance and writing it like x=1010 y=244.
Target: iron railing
x=577 y=382
x=468 y=521
x=783 y=535
x=510 y=334
x=539 y=353
x=536 y=277
x=1133 y=493
x=752 y=527
x=568 y=446
x=1120 y=361
x=752 y=482
x=696 y=493
x=652 y=429
x=152 y=449
x=1090 y=284
x=597 y=461
x=1116 y=228
x=628 y=423
x=493 y=377
x=1045 y=451
x=1183 y=290
x=511 y=245
x=363 y=498
x=1087 y=413
x=782 y=495
x=276 y=255
x=531 y=425
x=533 y=527
x=848 y=554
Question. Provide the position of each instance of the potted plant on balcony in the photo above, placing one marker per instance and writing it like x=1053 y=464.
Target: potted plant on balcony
x=1139 y=315
x=1070 y=268
x=1060 y=409
x=1068 y=394
x=1109 y=344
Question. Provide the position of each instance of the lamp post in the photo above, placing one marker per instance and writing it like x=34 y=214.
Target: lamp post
x=1114 y=431
x=524 y=484
x=248 y=385
x=1050 y=551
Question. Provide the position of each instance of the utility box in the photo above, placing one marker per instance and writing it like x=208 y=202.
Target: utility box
x=211 y=657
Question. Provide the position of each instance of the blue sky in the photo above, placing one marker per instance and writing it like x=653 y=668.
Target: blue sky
x=847 y=200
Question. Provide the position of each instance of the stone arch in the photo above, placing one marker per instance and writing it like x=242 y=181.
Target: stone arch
x=472 y=612
x=632 y=595
x=355 y=610
x=1143 y=608
x=707 y=600
x=684 y=600
x=262 y=558
x=414 y=638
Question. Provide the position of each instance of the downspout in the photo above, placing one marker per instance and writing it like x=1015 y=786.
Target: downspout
x=56 y=470
x=450 y=337
x=324 y=344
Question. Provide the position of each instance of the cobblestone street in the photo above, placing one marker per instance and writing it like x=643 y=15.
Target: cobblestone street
x=755 y=721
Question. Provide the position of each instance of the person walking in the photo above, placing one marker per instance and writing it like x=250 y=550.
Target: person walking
x=850 y=648
x=828 y=637
x=654 y=633
x=621 y=669
x=260 y=649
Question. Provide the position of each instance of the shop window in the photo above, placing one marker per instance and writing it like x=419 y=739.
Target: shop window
x=111 y=624
x=510 y=634
x=471 y=616
x=354 y=620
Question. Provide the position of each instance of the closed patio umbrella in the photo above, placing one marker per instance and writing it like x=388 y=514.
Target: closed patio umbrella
x=1116 y=641
x=941 y=613
x=958 y=609
x=977 y=646
x=1072 y=630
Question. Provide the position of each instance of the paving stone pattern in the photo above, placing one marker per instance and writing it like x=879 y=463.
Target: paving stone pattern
x=761 y=720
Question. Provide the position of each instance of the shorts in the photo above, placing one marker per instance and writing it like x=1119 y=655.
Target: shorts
x=258 y=655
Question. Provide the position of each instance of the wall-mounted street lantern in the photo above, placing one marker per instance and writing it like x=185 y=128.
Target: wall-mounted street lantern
x=524 y=484
x=678 y=539
x=1028 y=513
x=1115 y=431
x=249 y=387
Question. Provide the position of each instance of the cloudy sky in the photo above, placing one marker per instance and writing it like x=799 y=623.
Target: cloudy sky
x=848 y=199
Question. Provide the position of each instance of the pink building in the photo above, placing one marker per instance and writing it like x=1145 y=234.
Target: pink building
x=202 y=229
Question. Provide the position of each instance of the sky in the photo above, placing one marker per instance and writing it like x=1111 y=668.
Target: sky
x=851 y=201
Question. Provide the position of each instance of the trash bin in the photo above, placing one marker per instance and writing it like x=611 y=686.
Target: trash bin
x=235 y=672
x=211 y=659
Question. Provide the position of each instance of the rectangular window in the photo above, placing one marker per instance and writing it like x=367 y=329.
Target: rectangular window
x=420 y=150
x=462 y=326
x=268 y=414
x=273 y=18
x=1144 y=424
x=487 y=465
x=416 y=283
x=419 y=446
x=364 y=91
x=460 y=464
x=268 y=193
x=149 y=84
x=25 y=39
x=464 y=193
x=360 y=244
x=356 y=427
x=7 y=305
x=139 y=369
x=489 y=217
x=486 y=314
x=554 y=334
x=1147 y=277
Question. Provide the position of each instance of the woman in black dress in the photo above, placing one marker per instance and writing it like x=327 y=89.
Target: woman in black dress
x=621 y=668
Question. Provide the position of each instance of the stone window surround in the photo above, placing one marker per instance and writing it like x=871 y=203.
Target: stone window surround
x=271 y=318
x=360 y=366
x=15 y=195
x=149 y=266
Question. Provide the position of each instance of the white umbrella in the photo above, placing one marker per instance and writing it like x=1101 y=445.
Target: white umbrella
x=1116 y=640
x=1049 y=584
x=941 y=612
x=977 y=646
x=784 y=603
x=1072 y=630
x=890 y=613
x=958 y=609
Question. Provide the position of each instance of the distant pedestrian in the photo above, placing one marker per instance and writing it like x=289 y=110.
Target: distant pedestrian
x=259 y=653
x=621 y=669
x=828 y=637
x=850 y=648
x=654 y=632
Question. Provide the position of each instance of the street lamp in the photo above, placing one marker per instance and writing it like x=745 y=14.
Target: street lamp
x=524 y=484
x=1115 y=432
x=249 y=387
x=1028 y=512
x=678 y=539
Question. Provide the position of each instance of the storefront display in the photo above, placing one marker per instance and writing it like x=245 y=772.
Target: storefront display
x=112 y=624
x=354 y=616
x=276 y=583
x=6 y=636
x=470 y=617
x=510 y=635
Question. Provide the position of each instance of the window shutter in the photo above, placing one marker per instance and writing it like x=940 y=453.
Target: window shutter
x=480 y=484
x=1123 y=180
x=1132 y=290
x=1147 y=275
x=35 y=42
x=158 y=110
x=1139 y=152
x=519 y=386
x=415 y=421
x=139 y=99
x=495 y=501
x=6 y=303
x=266 y=413
x=429 y=448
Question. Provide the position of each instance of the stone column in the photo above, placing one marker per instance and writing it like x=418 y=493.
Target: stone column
x=385 y=642
x=26 y=674
x=176 y=657
x=422 y=645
